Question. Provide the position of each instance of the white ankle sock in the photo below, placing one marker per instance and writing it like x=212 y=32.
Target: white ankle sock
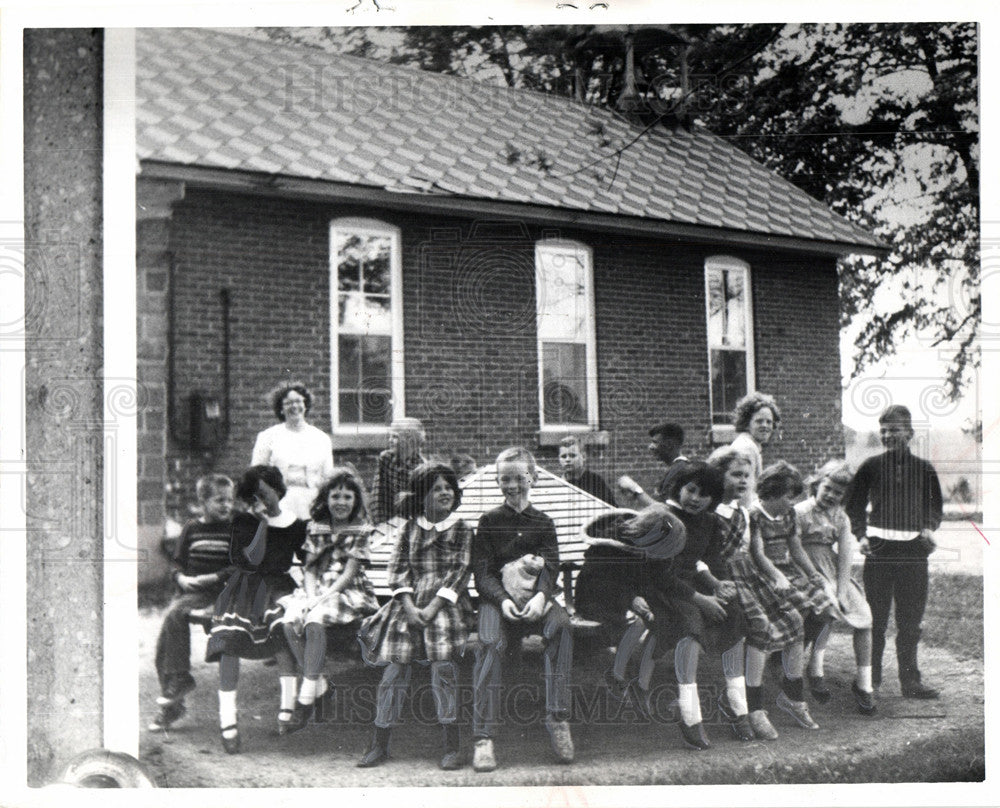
x=227 y=711
x=816 y=662
x=687 y=700
x=736 y=694
x=287 y=692
x=307 y=693
x=865 y=678
x=321 y=686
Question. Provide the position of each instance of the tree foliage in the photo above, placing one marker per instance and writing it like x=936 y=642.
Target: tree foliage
x=879 y=121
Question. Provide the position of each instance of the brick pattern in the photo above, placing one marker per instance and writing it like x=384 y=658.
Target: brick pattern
x=471 y=363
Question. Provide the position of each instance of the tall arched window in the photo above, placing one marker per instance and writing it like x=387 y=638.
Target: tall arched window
x=567 y=355
x=729 y=312
x=366 y=326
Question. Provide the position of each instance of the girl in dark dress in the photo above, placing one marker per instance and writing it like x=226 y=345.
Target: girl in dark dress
x=246 y=623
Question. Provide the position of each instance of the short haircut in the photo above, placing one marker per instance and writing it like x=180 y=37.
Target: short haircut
x=278 y=395
x=896 y=412
x=249 y=483
x=573 y=440
x=778 y=479
x=669 y=430
x=463 y=463
x=517 y=454
x=342 y=477
x=422 y=480
x=836 y=471
x=723 y=457
x=708 y=479
x=408 y=425
x=749 y=405
x=210 y=485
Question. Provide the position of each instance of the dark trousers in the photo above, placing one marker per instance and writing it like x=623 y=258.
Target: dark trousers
x=173 y=646
x=896 y=571
x=494 y=631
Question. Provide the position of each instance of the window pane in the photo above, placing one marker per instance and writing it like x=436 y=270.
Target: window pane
x=349 y=408
x=376 y=406
x=349 y=249
x=564 y=383
x=562 y=296
x=349 y=362
x=375 y=361
x=364 y=314
x=729 y=383
x=376 y=269
x=726 y=308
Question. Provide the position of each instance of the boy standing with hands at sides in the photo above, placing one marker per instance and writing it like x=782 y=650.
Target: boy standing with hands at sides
x=505 y=534
x=202 y=568
x=896 y=538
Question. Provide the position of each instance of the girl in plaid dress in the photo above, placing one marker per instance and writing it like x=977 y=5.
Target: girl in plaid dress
x=766 y=597
x=829 y=545
x=335 y=590
x=426 y=619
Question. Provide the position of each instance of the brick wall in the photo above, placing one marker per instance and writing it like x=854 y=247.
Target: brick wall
x=471 y=364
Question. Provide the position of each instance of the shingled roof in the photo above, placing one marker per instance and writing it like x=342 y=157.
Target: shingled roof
x=216 y=100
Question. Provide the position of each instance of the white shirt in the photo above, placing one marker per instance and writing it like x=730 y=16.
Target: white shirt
x=304 y=457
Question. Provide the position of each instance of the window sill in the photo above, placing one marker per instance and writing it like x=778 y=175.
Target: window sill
x=550 y=436
x=351 y=439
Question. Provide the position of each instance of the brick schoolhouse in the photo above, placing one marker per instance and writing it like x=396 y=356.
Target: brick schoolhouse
x=490 y=261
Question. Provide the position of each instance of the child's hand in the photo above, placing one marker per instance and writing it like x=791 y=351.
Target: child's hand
x=641 y=607
x=429 y=612
x=413 y=615
x=533 y=608
x=927 y=541
x=725 y=591
x=864 y=547
x=510 y=610
x=781 y=583
x=186 y=583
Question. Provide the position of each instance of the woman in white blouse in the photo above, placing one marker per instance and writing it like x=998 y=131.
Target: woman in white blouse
x=303 y=453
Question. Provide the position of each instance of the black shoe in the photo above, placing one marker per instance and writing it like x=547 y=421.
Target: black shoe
x=377 y=751
x=818 y=688
x=739 y=723
x=293 y=720
x=618 y=689
x=918 y=690
x=323 y=710
x=169 y=712
x=694 y=736
x=452 y=758
x=864 y=700
x=231 y=745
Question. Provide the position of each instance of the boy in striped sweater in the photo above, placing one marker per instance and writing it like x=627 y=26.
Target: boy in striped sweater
x=202 y=566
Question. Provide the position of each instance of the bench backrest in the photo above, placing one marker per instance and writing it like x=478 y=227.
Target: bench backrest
x=569 y=507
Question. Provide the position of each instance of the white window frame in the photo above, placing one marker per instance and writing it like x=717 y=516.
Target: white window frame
x=590 y=346
x=724 y=433
x=375 y=433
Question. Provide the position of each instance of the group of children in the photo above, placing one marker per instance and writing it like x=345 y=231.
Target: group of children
x=700 y=571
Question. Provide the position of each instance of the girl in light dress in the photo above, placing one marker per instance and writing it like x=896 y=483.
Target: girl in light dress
x=335 y=590
x=827 y=541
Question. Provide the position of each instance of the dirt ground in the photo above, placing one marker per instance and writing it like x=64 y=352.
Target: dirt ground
x=907 y=741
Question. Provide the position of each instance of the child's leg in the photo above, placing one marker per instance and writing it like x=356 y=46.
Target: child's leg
x=686 y=668
x=229 y=674
x=736 y=684
x=647 y=662
x=444 y=687
x=391 y=694
x=878 y=580
x=287 y=678
x=314 y=661
x=626 y=648
x=486 y=673
x=557 y=632
x=863 y=657
x=822 y=639
x=755 y=663
x=296 y=643
x=792 y=659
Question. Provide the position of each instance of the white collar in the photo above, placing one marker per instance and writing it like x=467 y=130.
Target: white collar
x=440 y=527
x=283 y=519
x=766 y=515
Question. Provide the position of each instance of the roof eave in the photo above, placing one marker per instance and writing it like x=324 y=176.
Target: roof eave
x=284 y=186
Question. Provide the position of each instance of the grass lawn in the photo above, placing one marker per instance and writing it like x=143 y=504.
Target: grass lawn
x=954 y=616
